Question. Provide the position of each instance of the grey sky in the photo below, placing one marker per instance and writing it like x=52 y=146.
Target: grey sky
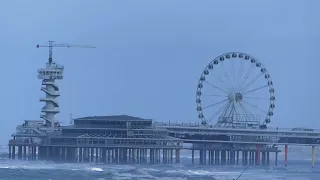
x=151 y=53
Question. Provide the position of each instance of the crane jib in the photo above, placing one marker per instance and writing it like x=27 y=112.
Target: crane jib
x=52 y=44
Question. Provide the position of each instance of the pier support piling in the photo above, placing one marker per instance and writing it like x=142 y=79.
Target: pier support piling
x=313 y=157
x=258 y=155
x=286 y=155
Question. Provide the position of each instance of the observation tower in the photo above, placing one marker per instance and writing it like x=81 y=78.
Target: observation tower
x=49 y=75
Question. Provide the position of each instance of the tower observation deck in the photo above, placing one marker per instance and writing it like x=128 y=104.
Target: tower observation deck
x=49 y=75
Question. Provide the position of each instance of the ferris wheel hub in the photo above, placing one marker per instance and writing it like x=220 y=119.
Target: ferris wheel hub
x=237 y=97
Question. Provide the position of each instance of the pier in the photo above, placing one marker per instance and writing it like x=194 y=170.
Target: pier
x=131 y=140
x=112 y=139
x=237 y=138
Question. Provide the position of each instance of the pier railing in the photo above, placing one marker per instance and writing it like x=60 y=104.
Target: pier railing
x=87 y=140
x=276 y=129
x=22 y=142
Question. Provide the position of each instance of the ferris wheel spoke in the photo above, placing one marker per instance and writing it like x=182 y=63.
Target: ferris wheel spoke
x=254 y=106
x=243 y=109
x=246 y=114
x=235 y=115
x=256 y=89
x=225 y=111
x=238 y=77
x=244 y=80
x=241 y=112
x=248 y=97
x=216 y=87
x=215 y=95
x=218 y=112
x=241 y=69
x=226 y=75
x=234 y=112
x=238 y=109
x=223 y=78
x=229 y=112
x=224 y=116
x=251 y=82
x=214 y=104
x=234 y=76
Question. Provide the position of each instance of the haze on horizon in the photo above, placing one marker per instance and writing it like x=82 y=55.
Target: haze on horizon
x=150 y=55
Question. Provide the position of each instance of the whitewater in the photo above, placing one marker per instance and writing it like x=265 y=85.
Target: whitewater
x=299 y=169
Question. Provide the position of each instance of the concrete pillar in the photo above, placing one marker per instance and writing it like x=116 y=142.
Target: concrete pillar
x=159 y=156
x=116 y=155
x=246 y=158
x=91 y=154
x=138 y=156
x=80 y=154
x=25 y=152
x=217 y=157
x=104 y=155
x=200 y=157
x=223 y=157
x=13 y=152
x=151 y=156
x=10 y=153
x=228 y=157
x=286 y=155
x=177 y=155
x=33 y=152
x=96 y=154
x=258 y=154
x=233 y=157
x=19 y=152
x=263 y=158
x=211 y=158
x=237 y=161
x=312 y=156
x=204 y=156
x=86 y=154
x=276 y=161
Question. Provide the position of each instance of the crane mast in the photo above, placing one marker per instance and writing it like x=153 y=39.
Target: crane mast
x=49 y=74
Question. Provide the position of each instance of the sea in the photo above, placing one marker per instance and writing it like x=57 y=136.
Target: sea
x=299 y=168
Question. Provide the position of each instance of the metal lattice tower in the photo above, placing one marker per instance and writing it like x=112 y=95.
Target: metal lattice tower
x=49 y=75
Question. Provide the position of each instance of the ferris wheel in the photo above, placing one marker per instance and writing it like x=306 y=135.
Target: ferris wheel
x=235 y=90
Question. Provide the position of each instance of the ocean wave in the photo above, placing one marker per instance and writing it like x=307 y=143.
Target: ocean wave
x=151 y=172
x=296 y=170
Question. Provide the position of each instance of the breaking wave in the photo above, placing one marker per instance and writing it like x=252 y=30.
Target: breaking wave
x=48 y=170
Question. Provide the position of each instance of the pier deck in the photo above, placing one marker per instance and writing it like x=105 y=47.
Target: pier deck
x=126 y=139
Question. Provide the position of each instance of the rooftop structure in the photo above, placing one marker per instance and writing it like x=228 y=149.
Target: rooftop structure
x=113 y=131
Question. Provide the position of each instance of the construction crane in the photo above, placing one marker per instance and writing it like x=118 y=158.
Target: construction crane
x=53 y=44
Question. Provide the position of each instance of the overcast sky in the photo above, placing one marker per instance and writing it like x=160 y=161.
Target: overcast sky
x=150 y=55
